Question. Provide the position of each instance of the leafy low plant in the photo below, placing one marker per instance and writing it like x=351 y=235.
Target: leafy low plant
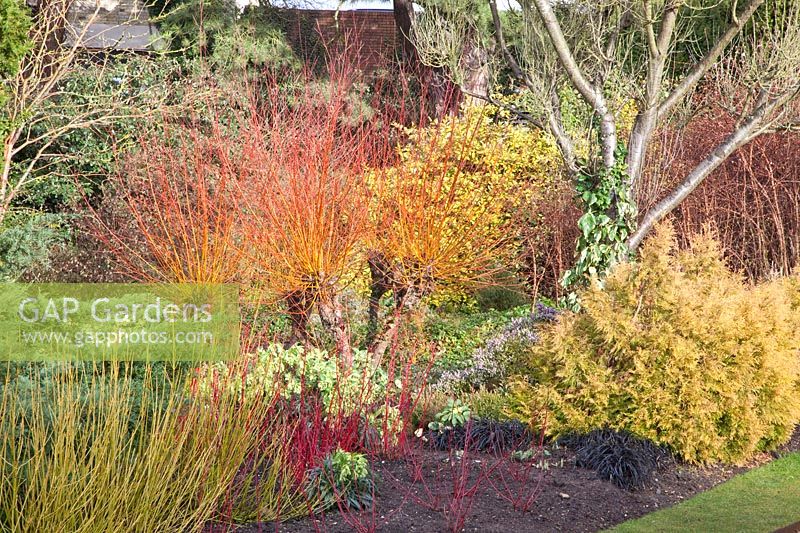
x=15 y=22
x=296 y=371
x=454 y=415
x=458 y=334
x=624 y=459
x=345 y=479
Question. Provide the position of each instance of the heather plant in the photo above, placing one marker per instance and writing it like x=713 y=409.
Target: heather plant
x=493 y=362
x=677 y=349
x=458 y=334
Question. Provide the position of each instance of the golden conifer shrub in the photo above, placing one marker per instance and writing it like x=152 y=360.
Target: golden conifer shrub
x=675 y=348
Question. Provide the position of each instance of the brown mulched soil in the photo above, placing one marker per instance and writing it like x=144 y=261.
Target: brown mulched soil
x=412 y=493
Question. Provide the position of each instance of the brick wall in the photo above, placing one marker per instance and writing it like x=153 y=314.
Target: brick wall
x=370 y=35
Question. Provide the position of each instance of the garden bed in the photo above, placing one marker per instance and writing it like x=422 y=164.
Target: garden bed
x=569 y=499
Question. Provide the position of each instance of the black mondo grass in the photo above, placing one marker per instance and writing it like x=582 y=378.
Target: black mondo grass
x=482 y=435
x=617 y=456
x=499 y=436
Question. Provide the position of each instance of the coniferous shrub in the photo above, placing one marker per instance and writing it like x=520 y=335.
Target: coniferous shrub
x=677 y=349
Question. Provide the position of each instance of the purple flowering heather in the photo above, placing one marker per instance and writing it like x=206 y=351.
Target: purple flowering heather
x=487 y=361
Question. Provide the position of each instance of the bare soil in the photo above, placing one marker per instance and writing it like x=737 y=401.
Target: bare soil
x=415 y=495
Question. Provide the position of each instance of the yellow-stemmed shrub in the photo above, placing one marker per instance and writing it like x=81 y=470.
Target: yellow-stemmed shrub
x=675 y=348
x=95 y=450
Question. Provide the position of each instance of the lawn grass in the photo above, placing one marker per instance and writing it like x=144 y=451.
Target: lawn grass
x=762 y=500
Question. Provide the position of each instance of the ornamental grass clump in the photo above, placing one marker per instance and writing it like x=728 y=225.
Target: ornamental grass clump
x=677 y=349
x=617 y=456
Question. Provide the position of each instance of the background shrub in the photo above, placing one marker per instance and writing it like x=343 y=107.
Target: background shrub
x=677 y=349
x=752 y=200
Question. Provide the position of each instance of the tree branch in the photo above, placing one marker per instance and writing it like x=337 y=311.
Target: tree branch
x=701 y=68
x=501 y=42
x=647 y=118
x=747 y=131
x=592 y=95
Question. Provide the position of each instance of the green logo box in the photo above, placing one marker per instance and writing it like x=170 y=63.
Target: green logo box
x=118 y=322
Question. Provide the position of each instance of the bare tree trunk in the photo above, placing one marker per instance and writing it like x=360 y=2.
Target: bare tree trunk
x=380 y=284
x=476 y=70
x=403 y=19
x=298 y=306
x=407 y=301
x=591 y=94
x=5 y=185
x=332 y=314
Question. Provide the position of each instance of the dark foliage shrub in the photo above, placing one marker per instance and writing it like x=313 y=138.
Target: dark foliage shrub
x=448 y=438
x=482 y=435
x=618 y=456
x=499 y=436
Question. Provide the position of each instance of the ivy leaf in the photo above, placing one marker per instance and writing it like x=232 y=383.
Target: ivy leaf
x=587 y=223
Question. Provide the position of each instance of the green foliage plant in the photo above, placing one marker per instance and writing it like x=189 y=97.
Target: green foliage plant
x=345 y=479
x=15 y=21
x=677 y=349
x=454 y=415
x=298 y=370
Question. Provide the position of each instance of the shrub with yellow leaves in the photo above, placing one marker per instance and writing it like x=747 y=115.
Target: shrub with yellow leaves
x=462 y=178
x=678 y=349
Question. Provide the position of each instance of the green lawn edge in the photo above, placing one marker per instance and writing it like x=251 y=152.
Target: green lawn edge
x=761 y=500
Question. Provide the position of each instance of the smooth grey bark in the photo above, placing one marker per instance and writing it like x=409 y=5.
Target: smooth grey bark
x=747 y=131
x=654 y=106
x=593 y=95
x=655 y=109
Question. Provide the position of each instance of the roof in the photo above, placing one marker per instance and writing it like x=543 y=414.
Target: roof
x=131 y=37
x=112 y=25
